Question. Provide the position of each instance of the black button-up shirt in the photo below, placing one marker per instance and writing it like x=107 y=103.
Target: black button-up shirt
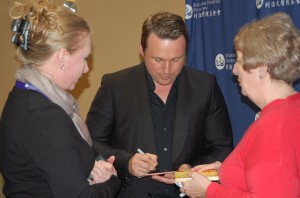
x=163 y=116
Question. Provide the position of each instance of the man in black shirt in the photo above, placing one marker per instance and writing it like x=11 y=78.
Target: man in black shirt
x=175 y=114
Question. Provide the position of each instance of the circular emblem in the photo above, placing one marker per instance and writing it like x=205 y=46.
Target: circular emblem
x=188 y=11
x=220 y=61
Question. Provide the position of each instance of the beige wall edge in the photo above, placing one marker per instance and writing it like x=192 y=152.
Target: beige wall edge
x=116 y=27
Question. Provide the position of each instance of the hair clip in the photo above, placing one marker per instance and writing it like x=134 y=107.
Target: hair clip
x=21 y=26
x=70 y=5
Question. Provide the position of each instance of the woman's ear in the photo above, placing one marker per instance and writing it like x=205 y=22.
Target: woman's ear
x=263 y=71
x=62 y=57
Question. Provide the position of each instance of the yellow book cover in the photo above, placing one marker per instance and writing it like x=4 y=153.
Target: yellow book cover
x=210 y=174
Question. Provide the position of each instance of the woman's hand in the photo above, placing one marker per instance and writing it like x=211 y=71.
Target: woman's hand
x=216 y=166
x=103 y=170
x=196 y=187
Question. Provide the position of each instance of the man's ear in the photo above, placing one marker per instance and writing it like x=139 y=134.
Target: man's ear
x=62 y=57
x=141 y=50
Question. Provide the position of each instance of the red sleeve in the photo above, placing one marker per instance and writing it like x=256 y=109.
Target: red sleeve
x=270 y=181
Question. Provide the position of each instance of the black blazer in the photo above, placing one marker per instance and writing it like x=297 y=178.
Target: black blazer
x=41 y=152
x=120 y=121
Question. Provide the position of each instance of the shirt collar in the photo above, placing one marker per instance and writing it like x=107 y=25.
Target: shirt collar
x=150 y=82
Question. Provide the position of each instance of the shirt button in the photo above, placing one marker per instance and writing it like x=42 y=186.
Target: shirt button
x=165 y=149
x=165 y=129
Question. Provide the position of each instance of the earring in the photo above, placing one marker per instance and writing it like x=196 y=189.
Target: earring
x=62 y=66
x=260 y=76
x=62 y=63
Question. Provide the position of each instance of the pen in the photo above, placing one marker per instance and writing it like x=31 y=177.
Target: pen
x=156 y=167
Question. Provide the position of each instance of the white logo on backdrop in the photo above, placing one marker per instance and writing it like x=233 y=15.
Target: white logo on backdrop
x=220 y=61
x=206 y=9
x=259 y=3
x=188 y=11
x=268 y=4
x=225 y=61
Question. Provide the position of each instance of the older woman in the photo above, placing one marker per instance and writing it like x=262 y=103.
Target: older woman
x=266 y=161
x=45 y=147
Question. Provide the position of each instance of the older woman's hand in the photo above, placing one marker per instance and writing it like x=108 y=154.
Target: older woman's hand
x=103 y=170
x=216 y=166
x=196 y=187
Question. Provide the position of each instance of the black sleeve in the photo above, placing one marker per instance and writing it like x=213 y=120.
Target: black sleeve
x=218 y=131
x=108 y=189
x=58 y=151
x=100 y=122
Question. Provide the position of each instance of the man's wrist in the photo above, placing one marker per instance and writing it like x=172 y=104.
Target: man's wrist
x=128 y=176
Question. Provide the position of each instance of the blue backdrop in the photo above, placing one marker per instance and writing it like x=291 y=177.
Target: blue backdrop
x=212 y=25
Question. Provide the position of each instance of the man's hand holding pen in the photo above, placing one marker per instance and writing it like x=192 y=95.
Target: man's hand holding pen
x=142 y=163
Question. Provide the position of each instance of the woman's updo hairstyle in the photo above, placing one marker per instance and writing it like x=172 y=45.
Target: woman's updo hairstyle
x=51 y=28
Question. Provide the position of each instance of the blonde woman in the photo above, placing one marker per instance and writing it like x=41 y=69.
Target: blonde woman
x=46 y=150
